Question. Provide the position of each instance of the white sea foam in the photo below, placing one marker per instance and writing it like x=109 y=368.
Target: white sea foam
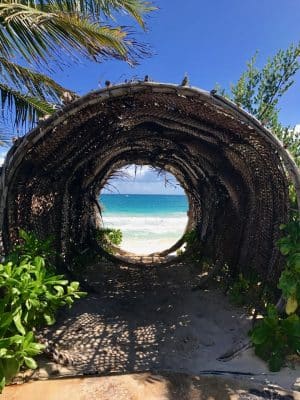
x=161 y=226
x=145 y=234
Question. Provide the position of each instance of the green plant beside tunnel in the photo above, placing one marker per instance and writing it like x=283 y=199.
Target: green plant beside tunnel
x=109 y=237
x=275 y=336
x=30 y=295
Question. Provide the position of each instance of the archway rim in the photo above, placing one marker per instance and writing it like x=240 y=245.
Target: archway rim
x=32 y=137
x=217 y=105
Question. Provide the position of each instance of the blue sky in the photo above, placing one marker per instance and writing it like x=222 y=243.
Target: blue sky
x=210 y=40
x=143 y=180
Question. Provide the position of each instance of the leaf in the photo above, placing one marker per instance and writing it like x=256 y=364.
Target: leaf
x=53 y=280
x=30 y=362
x=5 y=342
x=35 y=348
x=276 y=362
x=11 y=367
x=23 y=235
x=287 y=283
x=285 y=249
x=291 y=305
x=37 y=32
x=2 y=383
x=39 y=262
x=295 y=261
x=24 y=106
x=6 y=319
x=272 y=312
x=18 y=323
x=263 y=351
x=69 y=300
x=260 y=333
x=50 y=320
x=74 y=285
x=36 y=83
x=28 y=304
x=59 y=289
x=291 y=325
x=3 y=352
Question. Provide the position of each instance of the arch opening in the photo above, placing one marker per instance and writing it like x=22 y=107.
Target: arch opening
x=146 y=208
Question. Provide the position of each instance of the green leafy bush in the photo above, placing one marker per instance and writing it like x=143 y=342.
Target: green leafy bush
x=108 y=237
x=289 y=281
x=191 y=237
x=239 y=291
x=250 y=290
x=30 y=294
x=15 y=351
x=31 y=246
x=193 y=247
x=274 y=338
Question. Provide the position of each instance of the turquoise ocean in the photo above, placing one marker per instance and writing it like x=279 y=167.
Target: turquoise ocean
x=148 y=222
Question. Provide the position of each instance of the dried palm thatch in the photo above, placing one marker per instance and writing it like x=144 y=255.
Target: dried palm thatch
x=234 y=171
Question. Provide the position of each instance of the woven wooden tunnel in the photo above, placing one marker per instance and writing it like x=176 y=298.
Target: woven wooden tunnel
x=233 y=170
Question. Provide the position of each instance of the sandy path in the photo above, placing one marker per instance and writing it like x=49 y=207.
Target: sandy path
x=148 y=318
x=145 y=386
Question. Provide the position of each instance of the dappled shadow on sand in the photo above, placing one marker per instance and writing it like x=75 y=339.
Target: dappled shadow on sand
x=144 y=386
x=185 y=387
x=146 y=318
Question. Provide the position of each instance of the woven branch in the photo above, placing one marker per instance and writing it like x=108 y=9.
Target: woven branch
x=231 y=167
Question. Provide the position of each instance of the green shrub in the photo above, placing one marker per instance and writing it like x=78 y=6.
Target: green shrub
x=193 y=247
x=274 y=338
x=15 y=351
x=30 y=294
x=239 y=291
x=250 y=290
x=30 y=246
x=108 y=237
x=289 y=281
x=191 y=237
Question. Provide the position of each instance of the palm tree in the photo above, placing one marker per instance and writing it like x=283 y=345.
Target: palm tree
x=34 y=32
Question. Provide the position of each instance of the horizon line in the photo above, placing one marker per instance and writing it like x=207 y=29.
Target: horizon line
x=144 y=194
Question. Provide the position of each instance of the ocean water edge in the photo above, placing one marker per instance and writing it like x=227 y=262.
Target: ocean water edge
x=148 y=222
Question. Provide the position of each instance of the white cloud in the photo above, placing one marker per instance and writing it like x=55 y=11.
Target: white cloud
x=136 y=171
x=297 y=128
x=2 y=156
x=145 y=181
x=146 y=188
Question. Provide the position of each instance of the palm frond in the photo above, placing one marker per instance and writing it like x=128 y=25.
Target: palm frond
x=35 y=83
x=22 y=107
x=94 y=9
x=37 y=34
x=135 y=8
x=5 y=133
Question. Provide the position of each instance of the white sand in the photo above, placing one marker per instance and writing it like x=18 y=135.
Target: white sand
x=146 y=246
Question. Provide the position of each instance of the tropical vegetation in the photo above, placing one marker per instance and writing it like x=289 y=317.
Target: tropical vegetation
x=277 y=335
x=30 y=294
x=259 y=91
x=35 y=34
x=108 y=238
